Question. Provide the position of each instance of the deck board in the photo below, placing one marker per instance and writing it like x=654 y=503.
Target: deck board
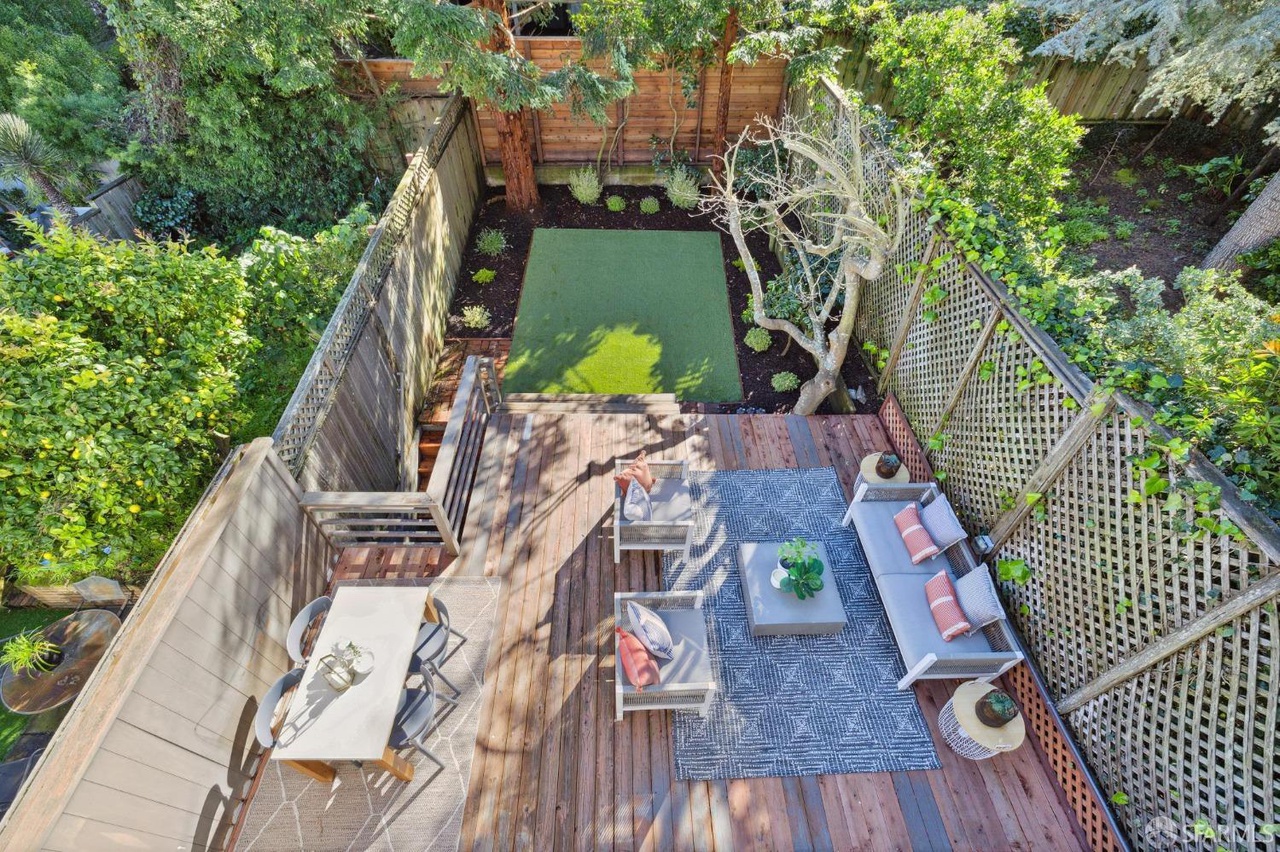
x=552 y=770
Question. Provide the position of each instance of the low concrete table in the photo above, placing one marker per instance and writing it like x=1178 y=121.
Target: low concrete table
x=773 y=612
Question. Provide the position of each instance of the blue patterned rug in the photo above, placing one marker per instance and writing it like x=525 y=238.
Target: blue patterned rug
x=791 y=705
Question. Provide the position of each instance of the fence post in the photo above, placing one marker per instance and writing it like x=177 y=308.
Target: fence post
x=441 y=517
x=492 y=396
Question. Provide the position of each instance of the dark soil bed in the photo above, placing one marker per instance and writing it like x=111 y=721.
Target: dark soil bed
x=1170 y=216
x=560 y=210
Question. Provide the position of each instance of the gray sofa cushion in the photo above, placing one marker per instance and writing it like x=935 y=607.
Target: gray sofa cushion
x=913 y=627
x=886 y=554
x=690 y=660
x=671 y=502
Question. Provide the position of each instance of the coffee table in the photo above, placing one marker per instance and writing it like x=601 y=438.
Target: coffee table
x=773 y=612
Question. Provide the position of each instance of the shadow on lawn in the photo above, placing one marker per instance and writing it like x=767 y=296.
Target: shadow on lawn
x=622 y=359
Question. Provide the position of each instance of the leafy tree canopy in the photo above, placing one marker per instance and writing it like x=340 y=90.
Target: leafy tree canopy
x=1214 y=52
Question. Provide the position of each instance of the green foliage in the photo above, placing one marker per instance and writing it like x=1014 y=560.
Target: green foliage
x=27 y=156
x=1000 y=140
x=294 y=285
x=116 y=362
x=785 y=381
x=484 y=276
x=682 y=188
x=649 y=205
x=758 y=339
x=584 y=185
x=491 y=242
x=1013 y=571
x=1124 y=228
x=804 y=570
x=476 y=317
x=1218 y=175
x=1126 y=177
x=1265 y=264
x=28 y=652
x=60 y=73
x=166 y=216
x=615 y=203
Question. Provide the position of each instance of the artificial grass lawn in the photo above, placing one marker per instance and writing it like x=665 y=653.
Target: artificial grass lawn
x=13 y=621
x=623 y=312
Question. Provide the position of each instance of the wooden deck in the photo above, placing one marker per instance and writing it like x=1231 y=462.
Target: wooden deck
x=553 y=770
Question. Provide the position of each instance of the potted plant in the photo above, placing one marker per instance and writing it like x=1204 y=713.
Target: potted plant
x=888 y=465
x=30 y=651
x=799 y=569
x=996 y=709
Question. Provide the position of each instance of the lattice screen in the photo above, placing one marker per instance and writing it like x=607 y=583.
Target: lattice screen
x=1195 y=738
x=310 y=401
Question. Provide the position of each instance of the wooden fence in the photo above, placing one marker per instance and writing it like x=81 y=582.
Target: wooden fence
x=350 y=423
x=1157 y=643
x=1095 y=91
x=658 y=107
x=111 y=215
x=158 y=751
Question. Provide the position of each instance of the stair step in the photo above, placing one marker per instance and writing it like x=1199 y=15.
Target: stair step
x=591 y=403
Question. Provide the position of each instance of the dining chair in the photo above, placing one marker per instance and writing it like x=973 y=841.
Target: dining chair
x=416 y=718
x=302 y=621
x=432 y=646
x=264 y=721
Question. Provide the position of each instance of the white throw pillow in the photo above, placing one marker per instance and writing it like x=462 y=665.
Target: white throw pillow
x=941 y=522
x=978 y=598
x=636 y=505
x=651 y=630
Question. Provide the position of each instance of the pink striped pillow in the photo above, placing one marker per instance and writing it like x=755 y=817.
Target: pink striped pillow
x=914 y=535
x=638 y=663
x=947 y=613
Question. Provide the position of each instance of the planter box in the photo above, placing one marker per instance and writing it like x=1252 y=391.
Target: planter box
x=66 y=597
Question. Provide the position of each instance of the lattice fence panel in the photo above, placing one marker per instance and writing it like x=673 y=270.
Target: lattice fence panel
x=1111 y=575
x=1000 y=431
x=884 y=299
x=936 y=351
x=1195 y=738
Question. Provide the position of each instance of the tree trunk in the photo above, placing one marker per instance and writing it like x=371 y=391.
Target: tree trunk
x=725 y=93
x=56 y=199
x=516 y=151
x=1258 y=226
x=515 y=148
x=814 y=391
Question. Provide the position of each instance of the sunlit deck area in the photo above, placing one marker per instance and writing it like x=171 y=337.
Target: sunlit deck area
x=552 y=769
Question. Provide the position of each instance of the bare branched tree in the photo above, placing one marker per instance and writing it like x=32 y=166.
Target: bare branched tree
x=838 y=209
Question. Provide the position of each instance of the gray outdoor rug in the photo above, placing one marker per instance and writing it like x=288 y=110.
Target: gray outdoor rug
x=791 y=705
x=368 y=810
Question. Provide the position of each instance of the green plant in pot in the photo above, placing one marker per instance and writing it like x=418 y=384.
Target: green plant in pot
x=996 y=709
x=30 y=651
x=799 y=569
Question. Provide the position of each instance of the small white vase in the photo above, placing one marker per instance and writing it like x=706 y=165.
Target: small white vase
x=775 y=578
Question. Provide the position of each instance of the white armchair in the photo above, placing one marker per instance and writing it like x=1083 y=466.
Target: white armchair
x=671 y=527
x=688 y=682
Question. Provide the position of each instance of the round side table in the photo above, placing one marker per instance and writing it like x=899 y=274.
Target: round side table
x=967 y=735
x=867 y=473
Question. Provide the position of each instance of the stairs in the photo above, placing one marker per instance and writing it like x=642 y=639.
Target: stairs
x=658 y=404
x=429 y=437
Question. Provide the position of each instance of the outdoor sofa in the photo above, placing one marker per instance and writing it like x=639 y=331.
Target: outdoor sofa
x=986 y=654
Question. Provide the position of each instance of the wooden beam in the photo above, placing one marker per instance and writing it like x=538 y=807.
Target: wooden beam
x=1173 y=642
x=1095 y=408
x=975 y=358
x=908 y=314
x=317 y=770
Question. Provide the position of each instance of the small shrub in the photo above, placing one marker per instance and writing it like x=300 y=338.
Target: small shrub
x=1126 y=177
x=1265 y=265
x=1124 y=229
x=1173 y=227
x=785 y=381
x=483 y=276
x=584 y=185
x=491 y=242
x=758 y=339
x=615 y=203
x=649 y=205
x=740 y=265
x=1083 y=232
x=1217 y=175
x=682 y=189
x=163 y=216
x=476 y=316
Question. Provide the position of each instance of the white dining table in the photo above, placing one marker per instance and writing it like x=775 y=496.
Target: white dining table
x=324 y=725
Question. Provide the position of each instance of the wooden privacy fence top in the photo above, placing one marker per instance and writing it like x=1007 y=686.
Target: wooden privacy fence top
x=314 y=394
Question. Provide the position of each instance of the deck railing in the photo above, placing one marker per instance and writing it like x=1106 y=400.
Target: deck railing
x=455 y=467
x=1156 y=637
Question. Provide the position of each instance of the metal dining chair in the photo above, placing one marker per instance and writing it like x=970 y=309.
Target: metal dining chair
x=264 y=721
x=301 y=622
x=416 y=718
x=432 y=646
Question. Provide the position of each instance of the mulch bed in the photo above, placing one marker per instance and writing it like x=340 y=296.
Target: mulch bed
x=560 y=210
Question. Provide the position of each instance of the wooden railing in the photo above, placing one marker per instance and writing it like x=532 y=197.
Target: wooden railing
x=455 y=469
x=380 y=519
